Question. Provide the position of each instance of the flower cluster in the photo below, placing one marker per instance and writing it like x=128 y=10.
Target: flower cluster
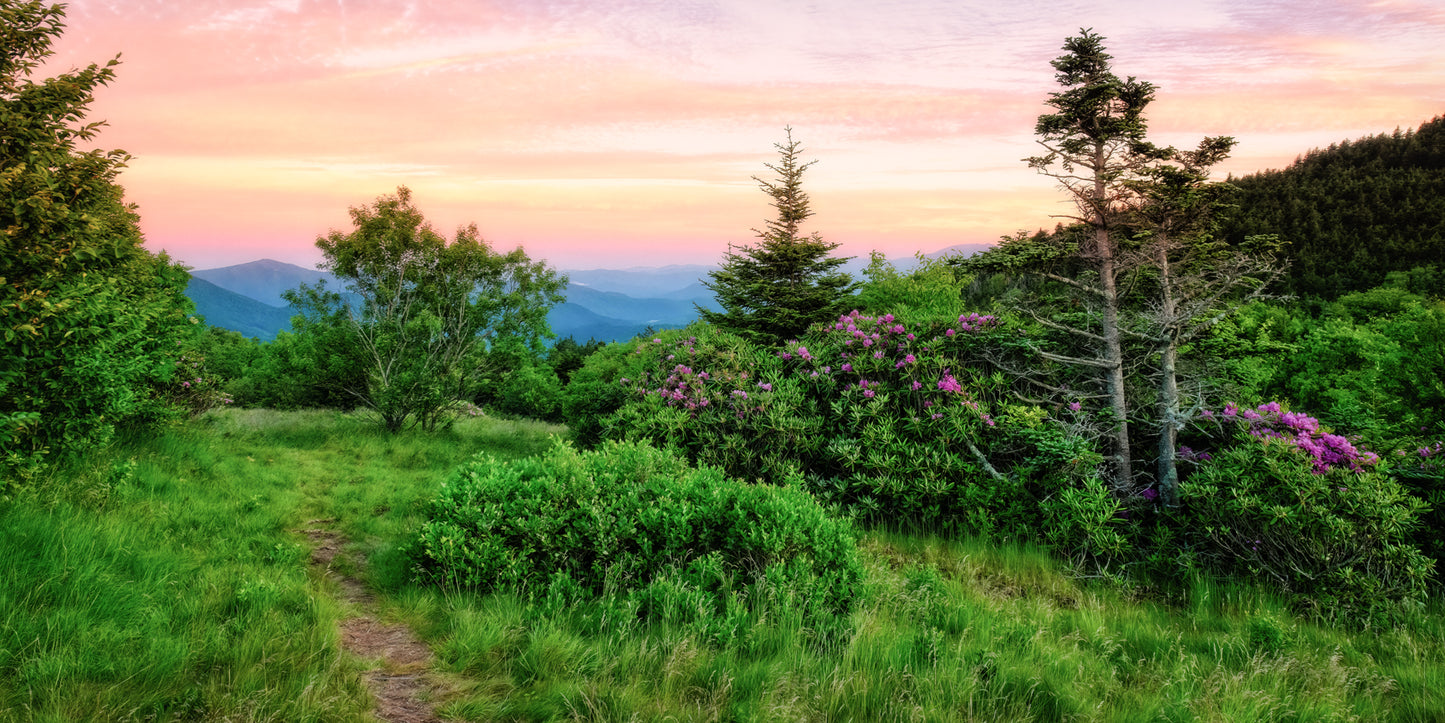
x=197 y=391
x=1271 y=421
x=698 y=391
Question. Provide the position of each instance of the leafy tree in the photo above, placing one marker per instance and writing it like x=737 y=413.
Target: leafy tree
x=90 y=320
x=421 y=310
x=776 y=289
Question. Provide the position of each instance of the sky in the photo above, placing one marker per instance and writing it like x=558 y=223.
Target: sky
x=600 y=134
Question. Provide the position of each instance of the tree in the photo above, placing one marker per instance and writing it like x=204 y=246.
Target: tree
x=90 y=320
x=774 y=290
x=421 y=311
x=1095 y=143
x=1199 y=281
x=1146 y=214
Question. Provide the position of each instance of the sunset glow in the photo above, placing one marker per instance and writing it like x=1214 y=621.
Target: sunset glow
x=616 y=134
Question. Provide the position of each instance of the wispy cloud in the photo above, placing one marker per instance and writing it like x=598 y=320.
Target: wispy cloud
x=550 y=120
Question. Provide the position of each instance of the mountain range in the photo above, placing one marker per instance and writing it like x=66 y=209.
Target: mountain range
x=601 y=304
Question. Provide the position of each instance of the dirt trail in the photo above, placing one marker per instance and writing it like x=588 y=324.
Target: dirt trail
x=401 y=685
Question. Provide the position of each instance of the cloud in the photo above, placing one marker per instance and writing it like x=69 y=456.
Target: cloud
x=644 y=118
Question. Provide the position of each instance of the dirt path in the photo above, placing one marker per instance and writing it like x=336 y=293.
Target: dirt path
x=401 y=685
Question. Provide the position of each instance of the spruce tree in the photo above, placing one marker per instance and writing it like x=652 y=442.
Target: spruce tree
x=775 y=289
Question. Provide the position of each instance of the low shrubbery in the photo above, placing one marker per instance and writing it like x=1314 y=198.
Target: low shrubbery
x=640 y=527
x=1284 y=499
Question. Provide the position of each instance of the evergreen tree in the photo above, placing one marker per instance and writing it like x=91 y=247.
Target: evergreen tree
x=774 y=290
x=1096 y=150
x=1353 y=213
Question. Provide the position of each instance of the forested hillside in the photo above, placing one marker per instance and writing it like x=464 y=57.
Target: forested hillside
x=1352 y=213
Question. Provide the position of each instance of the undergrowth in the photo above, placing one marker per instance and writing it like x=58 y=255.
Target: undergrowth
x=170 y=581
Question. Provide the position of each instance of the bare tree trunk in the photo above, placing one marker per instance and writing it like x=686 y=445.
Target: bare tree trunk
x=1113 y=347
x=1168 y=481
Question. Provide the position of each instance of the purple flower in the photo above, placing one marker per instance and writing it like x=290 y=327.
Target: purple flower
x=868 y=393
x=765 y=386
x=1074 y=406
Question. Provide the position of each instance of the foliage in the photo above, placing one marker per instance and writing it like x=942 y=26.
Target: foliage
x=1352 y=213
x=1305 y=509
x=632 y=521
x=530 y=390
x=786 y=282
x=930 y=291
x=567 y=356
x=421 y=310
x=195 y=390
x=895 y=424
x=90 y=320
x=1421 y=471
x=594 y=391
x=1371 y=363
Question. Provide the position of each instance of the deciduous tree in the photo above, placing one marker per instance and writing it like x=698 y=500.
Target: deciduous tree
x=90 y=320
x=422 y=309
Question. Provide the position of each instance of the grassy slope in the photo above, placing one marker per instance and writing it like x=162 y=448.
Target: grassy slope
x=171 y=583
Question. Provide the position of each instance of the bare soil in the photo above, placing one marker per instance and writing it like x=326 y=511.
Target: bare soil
x=400 y=682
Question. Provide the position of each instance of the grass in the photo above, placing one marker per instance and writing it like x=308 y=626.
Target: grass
x=170 y=581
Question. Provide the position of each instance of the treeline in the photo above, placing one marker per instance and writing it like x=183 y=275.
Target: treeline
x=1350 y=214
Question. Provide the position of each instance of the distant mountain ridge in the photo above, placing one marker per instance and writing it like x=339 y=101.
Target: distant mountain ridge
x=263 y=280
x=229 y=310
x=602 y=304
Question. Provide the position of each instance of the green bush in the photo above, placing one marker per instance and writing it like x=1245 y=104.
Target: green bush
x=89 y=320
x=1338 y=540
x=635 y=522
x=530 y=390
x=719 y=400
x=1421 y=471
x=896 y=423
x=594 y=391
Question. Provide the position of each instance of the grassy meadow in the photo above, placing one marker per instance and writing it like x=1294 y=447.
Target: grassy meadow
x=171 y=581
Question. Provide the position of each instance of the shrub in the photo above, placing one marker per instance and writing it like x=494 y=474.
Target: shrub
x=1336 y=537
x=1421 y=471
x=896 y=423
x=720 y=401
x=593 y=392
x=530 y=390
x=637 y=522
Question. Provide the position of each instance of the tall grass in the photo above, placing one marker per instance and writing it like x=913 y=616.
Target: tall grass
x=170 y=581
x=953 y=630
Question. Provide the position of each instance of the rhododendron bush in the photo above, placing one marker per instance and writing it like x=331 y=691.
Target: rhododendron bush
x=1284 y=499
x=892 y=421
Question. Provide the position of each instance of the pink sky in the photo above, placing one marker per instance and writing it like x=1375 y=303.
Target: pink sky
x=616 y=134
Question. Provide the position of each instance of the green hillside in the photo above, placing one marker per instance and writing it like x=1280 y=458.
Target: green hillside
x=1353 y=212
